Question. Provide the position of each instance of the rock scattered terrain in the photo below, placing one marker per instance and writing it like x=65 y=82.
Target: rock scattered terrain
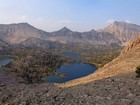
x=117 y=90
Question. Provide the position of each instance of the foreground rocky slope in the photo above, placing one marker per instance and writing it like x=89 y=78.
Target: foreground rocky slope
x=127 y=62
x=118 y=90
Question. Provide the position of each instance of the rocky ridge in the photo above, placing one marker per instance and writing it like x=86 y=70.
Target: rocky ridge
x=116 y=33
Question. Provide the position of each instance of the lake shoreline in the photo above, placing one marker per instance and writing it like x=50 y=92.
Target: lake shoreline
x=70 y=67
x=5 y=60
x=73 y=70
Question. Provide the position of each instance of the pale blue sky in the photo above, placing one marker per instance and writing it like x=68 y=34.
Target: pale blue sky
x=78 y=15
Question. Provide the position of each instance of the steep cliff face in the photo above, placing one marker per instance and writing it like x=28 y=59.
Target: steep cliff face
x=126 y=63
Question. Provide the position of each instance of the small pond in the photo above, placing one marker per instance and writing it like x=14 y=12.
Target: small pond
x=5 y=60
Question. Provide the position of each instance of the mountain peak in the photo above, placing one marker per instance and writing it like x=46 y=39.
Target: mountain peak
x=124 y=31
x=120 y=23
x=65 y=29
x=13 y=24
x=124 y=25
x=92 y=30
x=25 y=23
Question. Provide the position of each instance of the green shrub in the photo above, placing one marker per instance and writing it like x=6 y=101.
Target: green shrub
x=138 y=71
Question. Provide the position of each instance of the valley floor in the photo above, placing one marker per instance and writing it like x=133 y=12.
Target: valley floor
x=120 y=90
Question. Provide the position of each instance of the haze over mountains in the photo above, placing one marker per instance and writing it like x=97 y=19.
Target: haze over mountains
x=23 y=33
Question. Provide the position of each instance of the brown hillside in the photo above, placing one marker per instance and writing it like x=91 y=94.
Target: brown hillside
x=128 y=60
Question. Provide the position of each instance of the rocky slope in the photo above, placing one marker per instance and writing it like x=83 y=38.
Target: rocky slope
x=118 y=90
x=3 y=45
x=33 y=42
x=127 y=62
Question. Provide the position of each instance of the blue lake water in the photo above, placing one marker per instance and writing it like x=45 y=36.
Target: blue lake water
x=72 y=71
x=4 y=61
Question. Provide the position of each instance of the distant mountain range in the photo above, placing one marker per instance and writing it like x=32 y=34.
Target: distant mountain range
x=118 y=33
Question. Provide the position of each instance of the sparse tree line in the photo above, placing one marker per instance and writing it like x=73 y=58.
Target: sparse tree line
x=101 y=58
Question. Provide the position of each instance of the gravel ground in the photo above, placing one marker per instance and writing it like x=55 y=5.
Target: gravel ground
x=119 y=90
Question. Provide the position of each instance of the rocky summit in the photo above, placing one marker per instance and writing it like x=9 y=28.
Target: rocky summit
x=18 y=32
x=123 y=31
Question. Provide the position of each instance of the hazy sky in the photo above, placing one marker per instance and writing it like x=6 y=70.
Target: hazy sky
x=78 y=15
